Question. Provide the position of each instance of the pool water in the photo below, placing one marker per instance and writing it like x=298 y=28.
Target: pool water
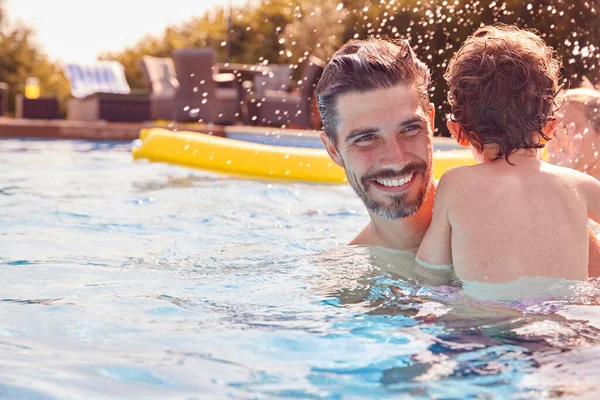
x=125 y=279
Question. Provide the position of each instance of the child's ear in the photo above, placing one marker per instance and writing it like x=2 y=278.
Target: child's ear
x=330 y=147
x=551 y=125
x=454 y=128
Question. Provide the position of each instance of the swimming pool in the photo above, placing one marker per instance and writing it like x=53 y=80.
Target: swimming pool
x=139 y=280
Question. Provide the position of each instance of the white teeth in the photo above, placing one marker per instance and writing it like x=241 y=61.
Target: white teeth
x=395 y=182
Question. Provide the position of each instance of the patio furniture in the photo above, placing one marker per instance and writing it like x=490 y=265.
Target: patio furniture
x=244 y=72
x=40 y=108
x=101 y=92
x=280 y=108
x=279 y=78
x=198 y=97
x=3 y=99
x=159 y=76
x=245 y=75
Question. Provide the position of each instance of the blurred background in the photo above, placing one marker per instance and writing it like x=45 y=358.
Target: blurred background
x=38 y=36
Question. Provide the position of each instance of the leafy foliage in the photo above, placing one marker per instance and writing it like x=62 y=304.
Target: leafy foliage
x=285 y=31
x=22 y=58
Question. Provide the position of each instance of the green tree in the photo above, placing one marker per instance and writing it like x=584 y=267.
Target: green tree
x=22 y=57
x=253 y=37
x=317 y=29
x=283 y=31
x=436 y=29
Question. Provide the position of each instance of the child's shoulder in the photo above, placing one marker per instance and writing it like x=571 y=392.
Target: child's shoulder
x=457 y=175
x=456 y=178
x=571 y=179
x=567 y=175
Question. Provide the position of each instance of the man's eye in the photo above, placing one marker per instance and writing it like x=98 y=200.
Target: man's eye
x=411 y=130
x=364 y=138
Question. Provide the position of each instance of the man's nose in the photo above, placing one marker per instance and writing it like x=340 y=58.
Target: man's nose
x=394 y=153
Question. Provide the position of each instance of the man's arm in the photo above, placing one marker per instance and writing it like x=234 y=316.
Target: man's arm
x=435 y=249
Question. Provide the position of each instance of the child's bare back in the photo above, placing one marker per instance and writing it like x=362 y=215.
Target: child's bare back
x=509 y=221
x=512 y=215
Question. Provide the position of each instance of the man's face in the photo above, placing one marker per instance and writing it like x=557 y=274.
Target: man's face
x=384 y=144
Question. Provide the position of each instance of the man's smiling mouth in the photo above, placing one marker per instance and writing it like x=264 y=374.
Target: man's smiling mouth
x=395 y=182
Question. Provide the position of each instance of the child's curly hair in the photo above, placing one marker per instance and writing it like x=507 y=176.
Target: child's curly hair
x=503 y=84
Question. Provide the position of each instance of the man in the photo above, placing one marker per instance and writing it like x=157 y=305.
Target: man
x=378 y=125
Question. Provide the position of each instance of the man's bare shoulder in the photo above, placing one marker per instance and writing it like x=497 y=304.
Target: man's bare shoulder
x=365 y=237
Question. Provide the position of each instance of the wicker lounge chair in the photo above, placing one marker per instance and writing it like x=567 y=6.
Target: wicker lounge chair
x=199 y=97
x=280 y=108
x=101 y=92
x=159 y=76
x=278 y=79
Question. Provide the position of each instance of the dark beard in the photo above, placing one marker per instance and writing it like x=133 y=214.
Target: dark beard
x=400 y=206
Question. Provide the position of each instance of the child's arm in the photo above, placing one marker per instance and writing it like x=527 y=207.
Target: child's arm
x=435 y=249
x=591 y=191
x=594 y=255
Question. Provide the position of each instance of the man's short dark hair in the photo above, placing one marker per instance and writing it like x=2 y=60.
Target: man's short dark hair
x=503 y=82
x=365 y=65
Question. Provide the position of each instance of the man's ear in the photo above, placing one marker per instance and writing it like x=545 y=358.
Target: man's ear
x=551 y=125
x=432 y=117
x=331 y=150
x=455 y=128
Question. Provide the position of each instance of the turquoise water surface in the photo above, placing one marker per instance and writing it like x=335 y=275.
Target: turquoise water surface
x=124 y=279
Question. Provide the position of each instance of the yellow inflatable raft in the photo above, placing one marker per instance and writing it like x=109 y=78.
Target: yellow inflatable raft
x=254 y=160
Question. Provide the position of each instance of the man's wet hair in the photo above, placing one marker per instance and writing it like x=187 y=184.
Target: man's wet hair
x=503 y=85
x=366 y=65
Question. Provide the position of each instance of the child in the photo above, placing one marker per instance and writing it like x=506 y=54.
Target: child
x=512 y=215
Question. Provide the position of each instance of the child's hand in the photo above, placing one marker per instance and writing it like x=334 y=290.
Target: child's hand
x=565 y=148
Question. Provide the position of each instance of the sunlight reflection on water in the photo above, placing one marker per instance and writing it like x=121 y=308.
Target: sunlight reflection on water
x=151 y=281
